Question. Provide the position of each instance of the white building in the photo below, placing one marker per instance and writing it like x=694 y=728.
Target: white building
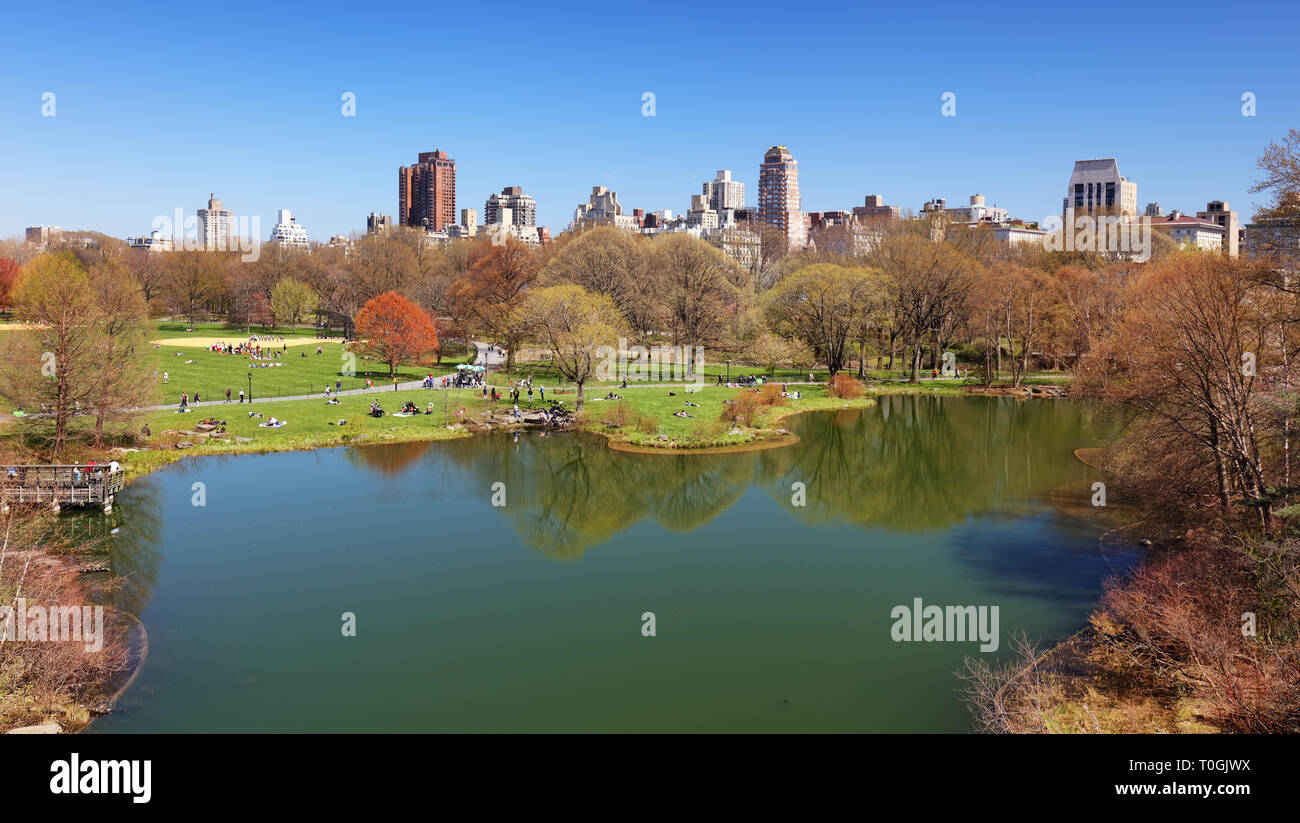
x=1190 y=231
x=288 y=232
x=700 y=213
x=724 y=193
x=154 y=242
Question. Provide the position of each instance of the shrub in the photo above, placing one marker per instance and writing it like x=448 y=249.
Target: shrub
x=844 y=386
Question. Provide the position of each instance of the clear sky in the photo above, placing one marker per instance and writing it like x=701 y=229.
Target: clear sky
x=156 y=105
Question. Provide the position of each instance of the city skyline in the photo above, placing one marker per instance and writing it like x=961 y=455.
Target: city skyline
x=885 y=134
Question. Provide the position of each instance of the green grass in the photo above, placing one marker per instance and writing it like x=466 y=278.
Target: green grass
x=308 y=424
x=211 y=373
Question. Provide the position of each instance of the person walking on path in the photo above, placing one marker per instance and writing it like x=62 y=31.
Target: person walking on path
x=227 y=395
x=241 y=395
x=185 y=399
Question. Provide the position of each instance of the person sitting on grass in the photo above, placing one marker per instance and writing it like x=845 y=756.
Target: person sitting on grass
x=682 y=414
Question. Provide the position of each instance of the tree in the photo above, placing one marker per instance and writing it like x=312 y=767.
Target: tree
x=930 y=281
x=8 y=274
x=822 y=304
x=492 y=293
x=379 y=263
x=193 y=278
x=772 y=350
x=291 y=300
x=1192 y=352
x=576 y=324
x=394 y=330
x=121 y=378
x=697 y=287
x=56 y=362
x=608 y=261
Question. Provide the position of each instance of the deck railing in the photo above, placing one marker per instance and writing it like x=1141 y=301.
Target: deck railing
x=76 y=484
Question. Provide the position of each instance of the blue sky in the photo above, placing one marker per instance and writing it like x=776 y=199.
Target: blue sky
x=159 y=104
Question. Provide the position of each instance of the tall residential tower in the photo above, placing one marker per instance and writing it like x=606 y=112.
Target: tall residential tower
x=779 y=206
x=426 y=192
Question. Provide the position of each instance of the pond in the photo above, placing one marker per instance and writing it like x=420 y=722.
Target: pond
x=771 y=600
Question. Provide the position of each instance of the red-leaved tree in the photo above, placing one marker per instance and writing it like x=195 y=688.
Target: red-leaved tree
x=394 y=330
x=8 y=273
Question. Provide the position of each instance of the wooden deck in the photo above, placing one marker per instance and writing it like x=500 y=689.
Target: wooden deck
x=73 y=484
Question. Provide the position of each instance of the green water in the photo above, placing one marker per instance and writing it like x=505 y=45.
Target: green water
x=528 y=617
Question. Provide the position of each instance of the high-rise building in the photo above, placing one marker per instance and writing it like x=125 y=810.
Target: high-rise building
x=522 y=208
x=1097 y=190
x=216 y=226
x=426 y=192
x=700 y=214
x=469 y=222
x=603 y=209
x=1217 y=211
x=779 y=205
x=288 y=232
x=723 y=193
x=378 y=223
x=40 y=235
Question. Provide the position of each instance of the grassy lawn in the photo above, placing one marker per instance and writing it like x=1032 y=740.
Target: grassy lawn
x=299 y=369
x=308 y=424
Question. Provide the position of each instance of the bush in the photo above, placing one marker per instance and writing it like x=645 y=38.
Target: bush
x=647 y=423
x=844 y=386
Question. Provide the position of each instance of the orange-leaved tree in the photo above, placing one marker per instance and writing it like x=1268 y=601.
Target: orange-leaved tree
x=394 y=330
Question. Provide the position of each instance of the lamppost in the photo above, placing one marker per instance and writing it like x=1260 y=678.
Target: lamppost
x=728 y=370
x=250 y=387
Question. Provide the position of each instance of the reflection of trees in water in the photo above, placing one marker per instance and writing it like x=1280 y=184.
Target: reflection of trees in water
x=391 y=459
x=926 y=463
x=910 y=463
x=568 y=493
x=135 y=551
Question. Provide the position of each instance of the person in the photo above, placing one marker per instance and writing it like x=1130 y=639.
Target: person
x=196 y=397
x=227 y=395
x=241 y=395
x=542 y=390
x=338 y=385
x=530 y=390
x=164 y=378
x=318 y=351
x=327 y=391
x=185 y=399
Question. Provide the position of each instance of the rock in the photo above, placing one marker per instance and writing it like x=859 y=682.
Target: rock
x=185 y=444
x=1145 y=541
x=46 y=728
x=242 y=439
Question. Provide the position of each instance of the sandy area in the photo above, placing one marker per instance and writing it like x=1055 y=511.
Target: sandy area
x=208 y=342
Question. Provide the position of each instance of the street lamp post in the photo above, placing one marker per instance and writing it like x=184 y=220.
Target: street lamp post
x=250 y=387
x=728 y=370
